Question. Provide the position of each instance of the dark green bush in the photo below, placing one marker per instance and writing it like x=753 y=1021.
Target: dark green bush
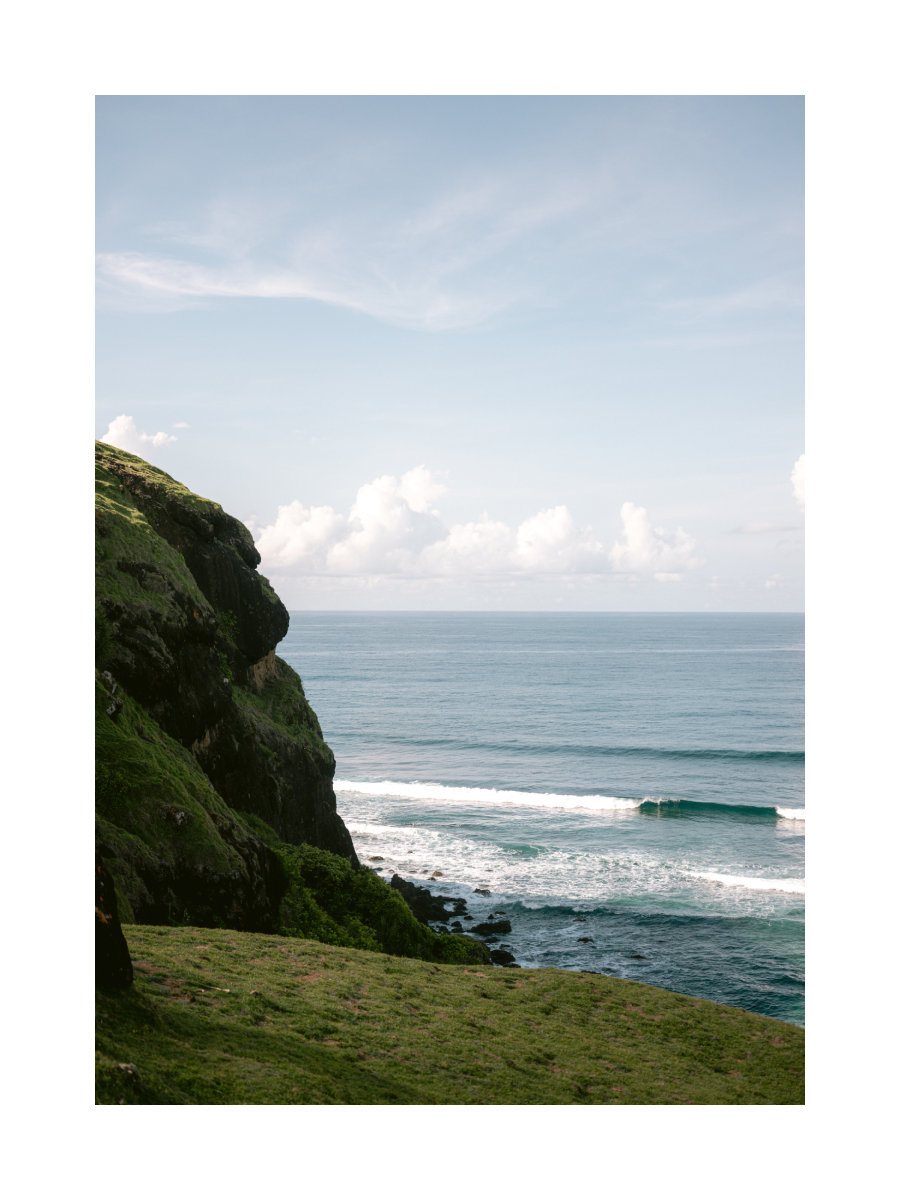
x=330 y=901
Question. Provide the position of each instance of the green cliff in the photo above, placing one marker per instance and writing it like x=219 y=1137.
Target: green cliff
x=215 y=804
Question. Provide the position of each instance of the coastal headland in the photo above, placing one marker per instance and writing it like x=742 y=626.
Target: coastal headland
x=269 y=965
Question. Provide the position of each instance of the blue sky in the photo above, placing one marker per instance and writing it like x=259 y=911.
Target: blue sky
x=467 y=352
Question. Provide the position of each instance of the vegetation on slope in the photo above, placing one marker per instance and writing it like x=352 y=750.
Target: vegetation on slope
x=221 y=1017
x=195 y=716
x=326 y=899
x=175 y=849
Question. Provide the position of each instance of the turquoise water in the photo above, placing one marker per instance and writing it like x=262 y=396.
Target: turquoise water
x=635 y=779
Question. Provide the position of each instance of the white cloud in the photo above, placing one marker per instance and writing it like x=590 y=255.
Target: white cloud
x=798 y=481
x=392 y=529
x=648 y=550
x=123 y=433
x=181 y=425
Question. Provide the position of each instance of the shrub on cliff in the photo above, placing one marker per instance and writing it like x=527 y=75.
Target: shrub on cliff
x=328 y=901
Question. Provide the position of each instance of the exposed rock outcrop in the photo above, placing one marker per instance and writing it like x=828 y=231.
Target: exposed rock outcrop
x=425 y=906
x=112 y=962
x=200 y=720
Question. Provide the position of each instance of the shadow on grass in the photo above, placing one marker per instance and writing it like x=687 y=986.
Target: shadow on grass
x=193 y=1055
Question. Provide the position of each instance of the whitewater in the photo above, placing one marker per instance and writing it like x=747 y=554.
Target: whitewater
x=627 y=789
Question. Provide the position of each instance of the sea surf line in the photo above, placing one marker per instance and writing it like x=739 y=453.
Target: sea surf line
x=439 y=792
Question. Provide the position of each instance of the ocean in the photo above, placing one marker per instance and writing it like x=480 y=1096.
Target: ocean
x=627 y=787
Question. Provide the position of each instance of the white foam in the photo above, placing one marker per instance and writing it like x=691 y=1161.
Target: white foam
x=792 y=814
x=359 y=827
x=437 y=791
x=761 y=885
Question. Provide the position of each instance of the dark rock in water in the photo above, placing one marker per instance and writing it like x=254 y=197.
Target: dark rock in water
x=376 y=858
x=112 y=962
x=425 y=907
x=591 y=940
x=643 y=956
x=490 y=940
x=456 y=927
x=493 y=927
x=579 y=921
x=482 y=891
x=502 y=958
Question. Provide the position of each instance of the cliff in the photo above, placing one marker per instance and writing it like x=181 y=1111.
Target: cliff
x=215 y=804
x=198 y=720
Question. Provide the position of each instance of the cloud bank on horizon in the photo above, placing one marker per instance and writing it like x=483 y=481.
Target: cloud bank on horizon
x=392 y=529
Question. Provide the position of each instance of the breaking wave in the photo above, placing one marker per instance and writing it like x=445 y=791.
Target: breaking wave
x=437 y=791
x=498 y=796
x=760 y=885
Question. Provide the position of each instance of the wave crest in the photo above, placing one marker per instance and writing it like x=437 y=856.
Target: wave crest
x=762 y=885
x=437 y=791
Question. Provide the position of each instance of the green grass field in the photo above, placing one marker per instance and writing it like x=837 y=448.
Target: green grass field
x=221 y=1017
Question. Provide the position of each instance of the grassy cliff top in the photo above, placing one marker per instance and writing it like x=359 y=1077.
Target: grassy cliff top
x=116 y=460
x=221 y=1017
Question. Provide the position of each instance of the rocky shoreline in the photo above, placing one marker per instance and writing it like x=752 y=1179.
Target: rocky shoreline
x=432 y=910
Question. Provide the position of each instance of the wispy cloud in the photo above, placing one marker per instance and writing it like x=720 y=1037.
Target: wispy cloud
x=449 y=244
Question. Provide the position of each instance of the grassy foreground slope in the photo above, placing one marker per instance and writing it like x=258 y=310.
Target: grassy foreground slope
x=223 y=1017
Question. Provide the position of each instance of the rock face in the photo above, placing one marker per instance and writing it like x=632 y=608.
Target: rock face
x=424 y=905
x=112 y=962
x=201 y=722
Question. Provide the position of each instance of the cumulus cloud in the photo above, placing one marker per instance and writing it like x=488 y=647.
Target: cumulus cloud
x=798 y=481
x=123 y=433
x=393 y=529
x=646 y=550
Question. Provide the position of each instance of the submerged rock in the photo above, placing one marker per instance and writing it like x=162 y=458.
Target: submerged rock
x=493 y=927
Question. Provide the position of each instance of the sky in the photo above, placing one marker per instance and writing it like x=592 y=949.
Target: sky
x=494 y=353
